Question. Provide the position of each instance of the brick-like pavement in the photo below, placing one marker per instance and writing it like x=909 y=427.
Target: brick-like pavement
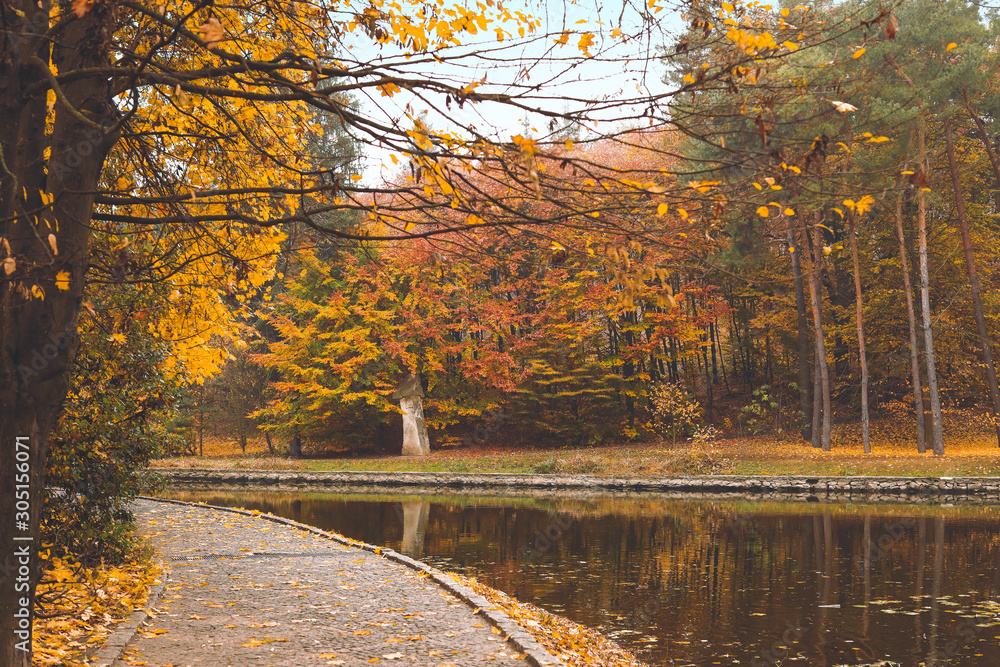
x=245 y=591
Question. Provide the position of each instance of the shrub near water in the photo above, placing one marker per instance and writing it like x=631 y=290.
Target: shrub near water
x=110 y=429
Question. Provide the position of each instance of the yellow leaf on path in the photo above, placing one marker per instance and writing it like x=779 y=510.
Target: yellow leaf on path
x=120 y=339
x=763 y=211
x=38 y=292
x=662 y=208
x=62 y=280
x=950 y=46
x=569 y=144
x=791 y=46
x=860 y=52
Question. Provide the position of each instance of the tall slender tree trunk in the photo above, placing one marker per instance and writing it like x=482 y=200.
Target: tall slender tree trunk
x=805 y=387
x=918 y=390
x=711 y=341
x=822 y=369
x=982 y=135
x=970 y=264
x=817 y=405
x=817 y=384
x=722 y=357
x=709 y=379
x=201 y=421
x=937 y=438
x=859 y=305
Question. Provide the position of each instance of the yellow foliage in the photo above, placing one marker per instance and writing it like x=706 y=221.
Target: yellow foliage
x=92 y=601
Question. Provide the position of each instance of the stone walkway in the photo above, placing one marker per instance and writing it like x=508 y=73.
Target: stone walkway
x=247 y=591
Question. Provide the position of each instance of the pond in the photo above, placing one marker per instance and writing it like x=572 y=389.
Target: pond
x=707 y=582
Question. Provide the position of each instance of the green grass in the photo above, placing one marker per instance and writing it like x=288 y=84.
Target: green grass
x=970 y=448
x=750 y=456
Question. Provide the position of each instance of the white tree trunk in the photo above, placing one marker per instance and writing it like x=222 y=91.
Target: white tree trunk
x=415 y=440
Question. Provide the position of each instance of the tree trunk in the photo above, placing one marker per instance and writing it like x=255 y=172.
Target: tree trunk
x=805 y=388
x=982 y=135
x=201 y=421
x=970 y=264
x=270 y=445
x=817 y=407
x=711 y=341
x=937 y=438
x=709 y=397
x=861 y=333
x=822 y=370
x=918 y=390
x=38 y=335
x=722 y=357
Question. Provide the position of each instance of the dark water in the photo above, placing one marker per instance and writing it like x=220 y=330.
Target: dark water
x=705 y=582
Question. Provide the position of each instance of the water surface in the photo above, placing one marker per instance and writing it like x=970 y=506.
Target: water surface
x=699 y=582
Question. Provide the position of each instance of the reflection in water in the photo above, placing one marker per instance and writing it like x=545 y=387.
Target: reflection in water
x=699 y=582
x=414 y=527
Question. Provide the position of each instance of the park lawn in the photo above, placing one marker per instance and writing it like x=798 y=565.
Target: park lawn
x=970 y=451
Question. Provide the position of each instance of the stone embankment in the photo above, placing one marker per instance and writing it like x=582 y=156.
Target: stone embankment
x=810 y=489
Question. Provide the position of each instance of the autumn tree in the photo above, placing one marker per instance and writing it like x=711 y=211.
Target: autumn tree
x=185 y=124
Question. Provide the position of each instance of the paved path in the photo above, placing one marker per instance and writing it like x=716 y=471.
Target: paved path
x=245 y=591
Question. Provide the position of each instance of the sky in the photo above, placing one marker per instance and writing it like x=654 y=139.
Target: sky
x=621 y=67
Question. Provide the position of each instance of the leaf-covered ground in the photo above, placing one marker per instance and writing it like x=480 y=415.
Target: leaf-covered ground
x=575 y=644
x=77 y=607
x=970 y=450
x=90 y=602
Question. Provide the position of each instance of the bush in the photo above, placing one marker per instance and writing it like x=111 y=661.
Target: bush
x=674 y=412
x=110 y=429
x=766 y=413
